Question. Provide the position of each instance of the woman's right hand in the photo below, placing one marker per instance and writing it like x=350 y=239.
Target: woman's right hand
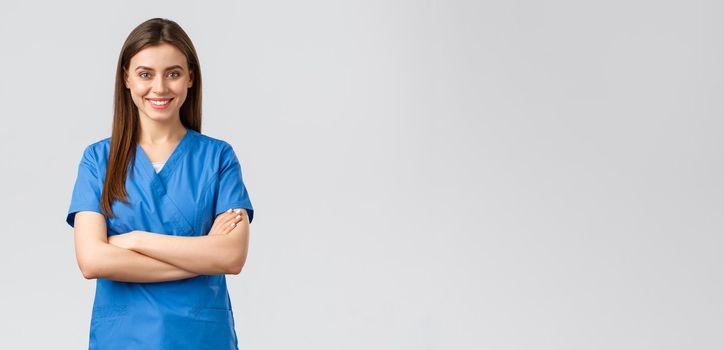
x=225 y=222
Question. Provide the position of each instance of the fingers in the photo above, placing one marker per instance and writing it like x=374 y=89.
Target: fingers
x=228 y=220
x=238 y=216
x=226 y=217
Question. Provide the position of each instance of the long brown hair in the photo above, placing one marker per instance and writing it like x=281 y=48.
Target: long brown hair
x=125 y=132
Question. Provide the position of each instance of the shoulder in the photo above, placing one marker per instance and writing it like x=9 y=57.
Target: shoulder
x=97 y=151
x=216 y=153
x=210 y=142
x=213 y=148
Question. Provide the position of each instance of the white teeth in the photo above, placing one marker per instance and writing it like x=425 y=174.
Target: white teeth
x=159 y=103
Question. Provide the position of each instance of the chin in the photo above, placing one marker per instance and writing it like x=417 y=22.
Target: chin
x=159 y=117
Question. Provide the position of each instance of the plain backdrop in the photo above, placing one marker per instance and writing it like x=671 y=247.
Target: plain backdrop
x=425 y=174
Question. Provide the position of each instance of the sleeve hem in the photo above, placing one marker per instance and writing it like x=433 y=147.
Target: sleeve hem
x=70 y=218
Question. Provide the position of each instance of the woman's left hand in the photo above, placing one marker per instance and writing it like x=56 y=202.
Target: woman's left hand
x=225 y=222
x=124 y=240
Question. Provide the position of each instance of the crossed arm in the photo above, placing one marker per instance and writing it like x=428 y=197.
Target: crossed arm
x=140 y=256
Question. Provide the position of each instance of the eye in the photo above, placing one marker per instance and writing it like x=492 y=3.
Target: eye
x=177 y=74
x=144 y=75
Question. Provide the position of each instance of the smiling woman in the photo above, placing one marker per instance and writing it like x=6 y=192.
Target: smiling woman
x=160 y=211
x=161 y=88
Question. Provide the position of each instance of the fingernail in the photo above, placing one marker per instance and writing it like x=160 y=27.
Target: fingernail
x=237 y=211
x=238 y=216
x=229 y=211
x=233 y=224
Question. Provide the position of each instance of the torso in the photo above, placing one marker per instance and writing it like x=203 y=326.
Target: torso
x=180 y=200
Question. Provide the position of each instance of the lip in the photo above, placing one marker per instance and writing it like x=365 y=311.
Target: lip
x=160 y=99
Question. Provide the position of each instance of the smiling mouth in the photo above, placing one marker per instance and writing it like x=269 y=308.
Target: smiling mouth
x=159 y=102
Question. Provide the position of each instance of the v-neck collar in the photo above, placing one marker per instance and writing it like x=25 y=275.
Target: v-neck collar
x=172 y=160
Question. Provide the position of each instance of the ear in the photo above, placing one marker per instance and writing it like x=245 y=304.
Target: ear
x=191 y=79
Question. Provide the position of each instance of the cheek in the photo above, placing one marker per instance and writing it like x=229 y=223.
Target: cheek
x=138 y=89
x=180 y=92
x=180 y=89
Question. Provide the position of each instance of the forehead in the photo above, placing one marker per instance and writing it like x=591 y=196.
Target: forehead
x=158 y=57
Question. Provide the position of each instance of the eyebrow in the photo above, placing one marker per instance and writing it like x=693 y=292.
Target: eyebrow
x=169 y=68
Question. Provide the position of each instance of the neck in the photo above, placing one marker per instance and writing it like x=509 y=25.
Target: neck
x=153 y=132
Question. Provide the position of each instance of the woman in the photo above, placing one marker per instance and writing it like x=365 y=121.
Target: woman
x=160 y=211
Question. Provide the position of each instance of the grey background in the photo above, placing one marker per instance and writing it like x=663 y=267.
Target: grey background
x=425 y=174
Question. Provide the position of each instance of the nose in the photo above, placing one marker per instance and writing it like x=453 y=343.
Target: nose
x=159 y=85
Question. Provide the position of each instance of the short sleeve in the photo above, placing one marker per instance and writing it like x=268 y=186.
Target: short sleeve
x=231 y=191
x=87 y=190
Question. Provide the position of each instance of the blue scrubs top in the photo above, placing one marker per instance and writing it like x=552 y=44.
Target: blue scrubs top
x=201 y=179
